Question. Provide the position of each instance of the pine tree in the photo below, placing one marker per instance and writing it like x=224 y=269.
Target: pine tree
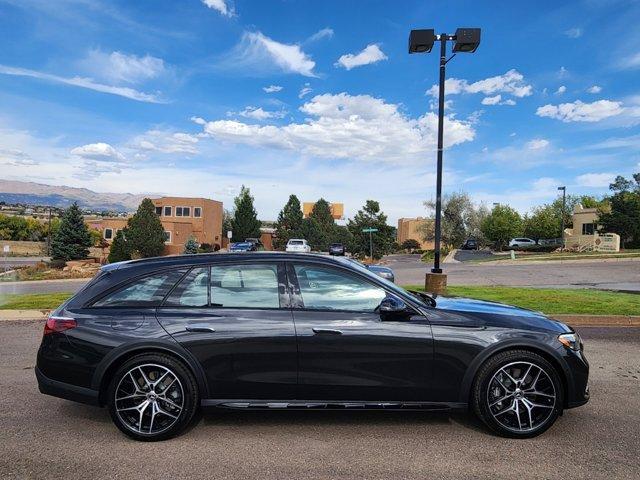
x=370 y=216
x=191 y=246
x=245 y=223
x=320 y=226
x=72 y=240
x=119 y=250
x=145 y=233
x=290 y=223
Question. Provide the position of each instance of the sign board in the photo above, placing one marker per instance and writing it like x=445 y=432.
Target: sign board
x=229 y=234
x=369 y=230
x=6 y=249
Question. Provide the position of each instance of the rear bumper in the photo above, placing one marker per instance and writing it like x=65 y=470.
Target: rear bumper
x=65 y=390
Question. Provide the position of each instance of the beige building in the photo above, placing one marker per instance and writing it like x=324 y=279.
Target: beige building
x=337 y=210
x=181 y=218
x=584 y=234
x=411 y=229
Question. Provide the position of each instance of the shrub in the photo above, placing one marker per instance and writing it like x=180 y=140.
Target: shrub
x=57 y=264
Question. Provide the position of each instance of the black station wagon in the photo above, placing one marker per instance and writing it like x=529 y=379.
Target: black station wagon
x=154 y=340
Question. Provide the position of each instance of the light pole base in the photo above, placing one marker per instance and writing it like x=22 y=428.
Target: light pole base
x=435 y=283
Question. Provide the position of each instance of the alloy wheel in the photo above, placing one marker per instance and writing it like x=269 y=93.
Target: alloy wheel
x=521 y=396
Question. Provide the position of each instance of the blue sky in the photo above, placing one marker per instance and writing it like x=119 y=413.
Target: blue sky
x=197 y=97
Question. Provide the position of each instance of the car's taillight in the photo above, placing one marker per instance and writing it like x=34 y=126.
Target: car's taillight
x=58 y=324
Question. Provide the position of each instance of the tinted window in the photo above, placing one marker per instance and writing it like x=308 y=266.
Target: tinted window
x=144 y=292
x=245 y=286
x=295 y=242
x=328 y=289
x=192 y=291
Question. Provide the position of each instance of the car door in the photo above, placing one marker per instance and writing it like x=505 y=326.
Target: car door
x=235 y=320
x=346 y=351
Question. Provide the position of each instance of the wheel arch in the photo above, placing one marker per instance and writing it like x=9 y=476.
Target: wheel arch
x=119 y=356
x=541 y=349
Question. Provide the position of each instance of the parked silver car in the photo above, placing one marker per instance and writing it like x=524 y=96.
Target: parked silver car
x=522 y=243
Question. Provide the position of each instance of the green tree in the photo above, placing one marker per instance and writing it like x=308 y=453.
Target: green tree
x=461 y=219
x=410 y=244
x=290 y=223
x=72 y=240
x=501 y=225
x=621 y=212
x=544 y=222
x=370 y=216
x=245 y=223
x=119 y=250
x=320 y=227
x=145 y=233
x=191 y=246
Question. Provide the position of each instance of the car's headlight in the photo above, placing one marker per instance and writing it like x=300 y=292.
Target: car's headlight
x=571 y=341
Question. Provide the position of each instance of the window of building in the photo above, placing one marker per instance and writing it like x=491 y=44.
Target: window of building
x=167 y=211
x=245 y=286
x=167 y=237
x=330 y=289
x=588 y=229
x=186 y=211
x=145 y=292
x=158 y=211
x=197 y=212
x=192 y=291
x=108 y=233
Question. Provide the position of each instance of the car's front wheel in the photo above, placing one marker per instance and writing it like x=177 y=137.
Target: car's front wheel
x=152 y=397
x=518 y=394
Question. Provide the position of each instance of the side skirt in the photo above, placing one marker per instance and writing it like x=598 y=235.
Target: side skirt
x=245 y=404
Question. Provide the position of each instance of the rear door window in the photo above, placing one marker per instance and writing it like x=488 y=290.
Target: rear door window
x=245 y=286
x=192 y=291
x=147 y=291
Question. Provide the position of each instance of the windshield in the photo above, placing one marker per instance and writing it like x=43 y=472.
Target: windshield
x=295 y=242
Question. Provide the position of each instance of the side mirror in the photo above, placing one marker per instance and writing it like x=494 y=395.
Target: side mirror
x=393 y=306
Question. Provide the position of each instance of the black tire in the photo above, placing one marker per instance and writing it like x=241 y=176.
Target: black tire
x=171 y=393
x=536 y=413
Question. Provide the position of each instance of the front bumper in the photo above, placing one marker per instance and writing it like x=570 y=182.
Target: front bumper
x=578 y=391
x=65 y=390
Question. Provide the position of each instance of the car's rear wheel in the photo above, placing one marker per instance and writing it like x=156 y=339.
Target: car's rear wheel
x=152 y=397
x=518 y=394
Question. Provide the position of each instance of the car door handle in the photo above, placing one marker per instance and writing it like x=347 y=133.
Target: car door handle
x=326 y=331
x=199 y=328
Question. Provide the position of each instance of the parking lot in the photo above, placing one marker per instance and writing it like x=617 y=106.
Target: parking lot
x=42 y=436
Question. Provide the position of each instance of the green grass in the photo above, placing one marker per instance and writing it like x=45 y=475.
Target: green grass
x=520 y=256
x=553 y=301
x=32 y=301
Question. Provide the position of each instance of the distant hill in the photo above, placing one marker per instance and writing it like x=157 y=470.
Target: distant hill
x=63 y=196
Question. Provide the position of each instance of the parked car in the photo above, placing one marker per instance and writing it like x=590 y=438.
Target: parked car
x=337 y=249
x=298 y=245
x=522 y=243
x=259 y=246
x=155 y=339
x=382 y=271
x=470 y=244
x=242 y=247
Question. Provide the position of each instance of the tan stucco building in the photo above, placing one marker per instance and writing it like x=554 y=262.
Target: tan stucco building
x=410 y=229
x=181 y=217
x=337 y=210
x=584 y=233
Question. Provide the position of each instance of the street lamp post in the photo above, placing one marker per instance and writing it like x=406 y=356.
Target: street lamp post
x=564 y=204
x=466 y=40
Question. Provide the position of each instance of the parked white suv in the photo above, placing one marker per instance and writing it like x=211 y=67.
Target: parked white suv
x=298 y=245
x=522 y=243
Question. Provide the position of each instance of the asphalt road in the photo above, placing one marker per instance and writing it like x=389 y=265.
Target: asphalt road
x=45 y=437
x=600 y=274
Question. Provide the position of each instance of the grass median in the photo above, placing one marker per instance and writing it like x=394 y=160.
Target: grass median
x=553 y=300
x=32 y=301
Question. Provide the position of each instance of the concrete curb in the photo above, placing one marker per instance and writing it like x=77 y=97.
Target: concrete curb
x=573 y=320
x=450 y=258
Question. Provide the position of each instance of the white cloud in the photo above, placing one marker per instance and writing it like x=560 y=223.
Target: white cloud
x=595 y=180
x=258 y=54
x=563 y=72
x=165 y=142
x=257 y=113
x=561 y=90
x=223 y=6
x=98 y=151
x=512 y=82
x=357 y=127
x=574 y=32
x=629 y=62
x=371 y=54
x=83 y=83
x=581 y=112
x=537 y=144
x=594 y=89
x=306 y=90
x=118 y=67
x=272 y=88
x=321 y=34
x=497 y=100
